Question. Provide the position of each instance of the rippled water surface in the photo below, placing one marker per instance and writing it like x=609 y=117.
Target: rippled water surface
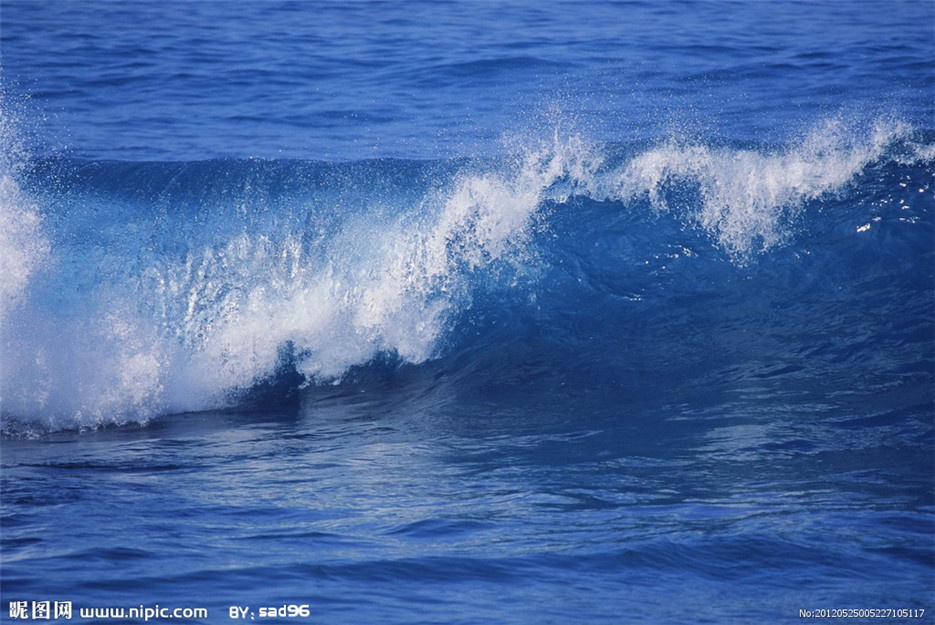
x=467 y=312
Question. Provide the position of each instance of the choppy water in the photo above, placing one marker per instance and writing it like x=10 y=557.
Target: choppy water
x=468 y=312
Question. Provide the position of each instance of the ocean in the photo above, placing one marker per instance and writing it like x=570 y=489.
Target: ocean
x=467 y=312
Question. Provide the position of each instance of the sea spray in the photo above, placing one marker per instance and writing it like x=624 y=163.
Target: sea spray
x=747 y=200
x=24 y=247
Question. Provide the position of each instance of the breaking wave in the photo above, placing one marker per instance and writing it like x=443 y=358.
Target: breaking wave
x=133 y=290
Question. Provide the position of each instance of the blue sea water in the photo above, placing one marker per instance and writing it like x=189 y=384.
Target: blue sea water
x=468 y=312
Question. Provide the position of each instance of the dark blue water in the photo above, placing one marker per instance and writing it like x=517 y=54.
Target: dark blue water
x=491 y=312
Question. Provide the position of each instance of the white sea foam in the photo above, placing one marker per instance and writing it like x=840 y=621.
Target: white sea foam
x=23 y=244
x=748 y=199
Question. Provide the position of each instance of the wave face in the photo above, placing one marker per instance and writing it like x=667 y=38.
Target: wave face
x=133 y=290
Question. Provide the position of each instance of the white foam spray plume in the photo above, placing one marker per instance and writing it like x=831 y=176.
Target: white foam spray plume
x=747 y=198
x=23 y=245
x=24 y=251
